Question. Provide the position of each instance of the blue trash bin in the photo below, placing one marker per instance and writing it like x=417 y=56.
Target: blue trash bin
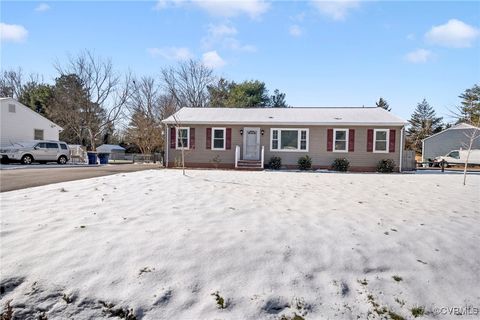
x=103 y=157
x=92 y=157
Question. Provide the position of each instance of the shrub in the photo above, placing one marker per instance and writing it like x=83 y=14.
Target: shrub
x=304 y=163
x=385 y=166
x=275 y=163
x=340 y=164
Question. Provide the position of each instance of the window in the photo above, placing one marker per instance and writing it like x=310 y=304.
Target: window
x=289 y=139
x=183 y=140
x=41 y=145
x=11 y=108
x=52 y=145
x=380 y=143
x=454 y=154
x=37 y=134
x=63 y=146
x=218 y=138
x=340 y=140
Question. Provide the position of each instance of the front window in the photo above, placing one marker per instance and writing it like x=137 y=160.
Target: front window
x=37 y=134
x=182 y=138
x=218 y=139
x=381 y=140
x=340 y=143
x=289 y=139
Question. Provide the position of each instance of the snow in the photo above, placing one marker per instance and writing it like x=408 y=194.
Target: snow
x=159 y=245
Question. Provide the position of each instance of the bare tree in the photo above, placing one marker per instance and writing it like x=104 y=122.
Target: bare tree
x=145 y=130
x=106 y=92
x=471 y=135
x=188 y=83
x=11 y=83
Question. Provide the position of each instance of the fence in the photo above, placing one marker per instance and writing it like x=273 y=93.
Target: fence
x=135 y=158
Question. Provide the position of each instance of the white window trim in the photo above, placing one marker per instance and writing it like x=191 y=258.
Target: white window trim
x=224 y=139
x=387 y=144
x=298 y=143
x=335 y=139
x=177 y=146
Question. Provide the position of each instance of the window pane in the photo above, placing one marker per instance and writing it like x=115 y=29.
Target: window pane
x=52 y=146
x=42 y=145
x=275 y=144
x=38 y=134
x=303 y=145
x=289 y=139
x=275 y=134
x=381 y=135
x=218 y=143
x=304 y=135
x=340 y=145
x=340 y=135
x=63 y=146
x=182 y=138
x=218 y=134
x=380 y=145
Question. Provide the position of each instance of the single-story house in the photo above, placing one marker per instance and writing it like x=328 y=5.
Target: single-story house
x=456 y=137
x=249 y=137
x=20 y=123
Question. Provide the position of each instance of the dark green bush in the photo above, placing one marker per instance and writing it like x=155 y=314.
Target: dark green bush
x=340 y=164
x=386 y=166
x=275 y=163
x=304 y=163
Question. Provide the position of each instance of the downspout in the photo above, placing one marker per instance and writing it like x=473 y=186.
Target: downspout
x=401 y=150
x=423 y=151
x=167 y=146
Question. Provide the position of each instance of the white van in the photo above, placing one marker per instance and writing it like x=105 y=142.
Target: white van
x=460 y=157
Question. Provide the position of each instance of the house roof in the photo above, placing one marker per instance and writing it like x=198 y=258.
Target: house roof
x=110 y=147
x=460 y=126
x=38 y=115
x=287 y=116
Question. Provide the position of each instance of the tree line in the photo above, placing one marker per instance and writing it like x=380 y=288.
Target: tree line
x=96 y=104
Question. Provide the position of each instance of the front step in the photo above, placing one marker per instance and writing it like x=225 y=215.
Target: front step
x=249 y=164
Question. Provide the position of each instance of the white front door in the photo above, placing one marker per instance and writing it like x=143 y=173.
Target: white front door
x=251 y=143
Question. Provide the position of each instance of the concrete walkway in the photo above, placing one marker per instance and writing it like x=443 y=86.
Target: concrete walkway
x=18 y=178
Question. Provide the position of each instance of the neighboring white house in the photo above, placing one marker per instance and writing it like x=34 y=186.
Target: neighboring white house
x=20 y=123
x=453 y=138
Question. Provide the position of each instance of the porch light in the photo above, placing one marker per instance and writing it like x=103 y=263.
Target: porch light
x=263 y=131
x=241 y=132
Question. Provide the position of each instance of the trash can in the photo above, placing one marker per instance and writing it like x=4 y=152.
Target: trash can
x=103 y=157
x=92 y=157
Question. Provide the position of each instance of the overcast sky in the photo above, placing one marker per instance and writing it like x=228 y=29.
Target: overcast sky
x=341 y=53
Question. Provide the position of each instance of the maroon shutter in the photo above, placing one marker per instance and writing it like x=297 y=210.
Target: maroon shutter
x=172 y=138
x=228 y=143
x=351 y=140
x=209 y=138
x=370 y=140
x=192 y=138
x=329 y=139
x=391 y=144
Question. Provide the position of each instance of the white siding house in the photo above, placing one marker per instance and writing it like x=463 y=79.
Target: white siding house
x=20 y=123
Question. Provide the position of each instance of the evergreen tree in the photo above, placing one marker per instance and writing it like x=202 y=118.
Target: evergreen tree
x=469 y=110
x=36 y=96
x=382 y=103
x=277 y=100
x=423 y=123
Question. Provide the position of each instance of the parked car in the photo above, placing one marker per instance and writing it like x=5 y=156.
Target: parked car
x=459 y=157
x=41 y=151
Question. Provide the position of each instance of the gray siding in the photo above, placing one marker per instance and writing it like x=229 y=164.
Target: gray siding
x=447 y=141
x=360 y=158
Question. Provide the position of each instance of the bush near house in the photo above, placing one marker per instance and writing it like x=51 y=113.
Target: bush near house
x=340 y=164
x=304 y=163
x=275 y=163
x=385 y=166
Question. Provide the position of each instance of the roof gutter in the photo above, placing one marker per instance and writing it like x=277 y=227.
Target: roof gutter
x=240 y=123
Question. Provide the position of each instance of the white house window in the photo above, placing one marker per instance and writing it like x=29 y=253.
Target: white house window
x=37 y=134
x=340 y=143
x=218 y=138
x=380 y=143
x=183 y=140
x=289 y=139
x=11 y=108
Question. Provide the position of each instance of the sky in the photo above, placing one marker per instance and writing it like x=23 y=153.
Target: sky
x=320 y=53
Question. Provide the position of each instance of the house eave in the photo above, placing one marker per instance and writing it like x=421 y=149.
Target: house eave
x=263 y=123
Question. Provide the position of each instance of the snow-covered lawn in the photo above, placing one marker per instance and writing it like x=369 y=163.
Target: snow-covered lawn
x=242 y=245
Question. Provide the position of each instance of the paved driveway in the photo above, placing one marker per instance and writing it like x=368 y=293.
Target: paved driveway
x=28 y=176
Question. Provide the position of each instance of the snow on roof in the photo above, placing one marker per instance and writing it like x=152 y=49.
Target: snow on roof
x=460 y=126
x=287 y=116
x=110 y=147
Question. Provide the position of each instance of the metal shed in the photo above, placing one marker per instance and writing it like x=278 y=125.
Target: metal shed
x=454 y=138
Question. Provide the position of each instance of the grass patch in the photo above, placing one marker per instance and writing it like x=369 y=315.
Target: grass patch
x=295 y=317
x=221 y=303
x=397 y=278
x=395 y=316
x=418 y=311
